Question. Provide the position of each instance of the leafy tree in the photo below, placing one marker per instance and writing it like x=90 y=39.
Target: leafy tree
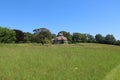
x=117 y=42
x=110 y=39
x=28 y=37
x=78 y=37
x=37 y=31
x=99 y=38
x=53 y=35
x=67 y=35
x=42 y=35
x=83 y=38
x=7 y=35
x=19 y=36
x=90 y=38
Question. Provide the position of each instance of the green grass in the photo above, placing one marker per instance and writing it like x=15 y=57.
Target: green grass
x=59 y=62
x=114 y=74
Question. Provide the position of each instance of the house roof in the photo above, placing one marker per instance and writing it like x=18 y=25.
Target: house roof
x=61 y=38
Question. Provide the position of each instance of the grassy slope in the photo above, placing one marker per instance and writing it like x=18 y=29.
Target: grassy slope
x=61 y=62
x=114 y=74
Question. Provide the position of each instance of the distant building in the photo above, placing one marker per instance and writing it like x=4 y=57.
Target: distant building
x=59 y=39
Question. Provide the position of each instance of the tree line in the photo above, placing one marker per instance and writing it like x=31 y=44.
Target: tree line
x=44 y=36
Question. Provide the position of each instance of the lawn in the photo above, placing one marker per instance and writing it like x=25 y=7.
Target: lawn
x=59 y=62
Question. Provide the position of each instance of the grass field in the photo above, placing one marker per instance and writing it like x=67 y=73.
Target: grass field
x=59 y=62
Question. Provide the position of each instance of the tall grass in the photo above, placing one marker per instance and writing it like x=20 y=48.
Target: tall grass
x=57 y=62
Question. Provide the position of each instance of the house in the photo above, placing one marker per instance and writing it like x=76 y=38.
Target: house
x=59 y=39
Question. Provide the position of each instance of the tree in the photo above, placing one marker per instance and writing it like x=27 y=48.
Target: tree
x=83 y=38
x=78 y=37
x=28 y=37
x=42 y=35
x=7 y=35
x=38 y=30
x=110 y=39
x=117 y=42
x=53 y=35
x=67 y=35
x=99 y=38
x=19 y=36
x=90 y=38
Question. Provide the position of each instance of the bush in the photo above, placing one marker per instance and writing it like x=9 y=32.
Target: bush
x=7 y=35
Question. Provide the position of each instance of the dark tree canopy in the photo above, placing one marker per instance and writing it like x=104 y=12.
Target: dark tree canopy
x=19 y=36
x=83 y=38
x=76 y=37
x=38 y=30
x=99 y=38
x=79 y=37
x=110 y=39
x=53 y=35
x=28 y=37
x=42 y=35
x=90 y=38
x=117 y=42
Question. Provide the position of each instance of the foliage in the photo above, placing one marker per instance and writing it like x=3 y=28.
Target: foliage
x=78 y=37
x=117 y=42
x=83 y=38
x=7 y=35
x=42 y=36
x=90 y=38
x=110 y=39
x=28 y=37
x=99 y=38
x=19 y=36
x=53 y=35
x=38 y=30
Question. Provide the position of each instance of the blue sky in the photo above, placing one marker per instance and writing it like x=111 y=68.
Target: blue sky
x=84 y=16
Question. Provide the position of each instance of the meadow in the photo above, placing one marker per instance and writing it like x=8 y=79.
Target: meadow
x=84 y=61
